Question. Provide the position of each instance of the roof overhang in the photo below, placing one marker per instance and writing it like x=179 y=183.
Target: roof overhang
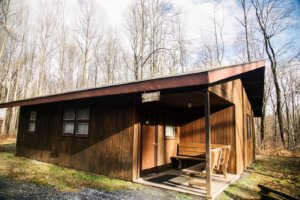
x=252 y=75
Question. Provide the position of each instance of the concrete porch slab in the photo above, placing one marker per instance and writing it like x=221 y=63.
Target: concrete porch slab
x=178 y=181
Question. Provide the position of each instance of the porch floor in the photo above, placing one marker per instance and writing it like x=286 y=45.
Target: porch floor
x=178 y=181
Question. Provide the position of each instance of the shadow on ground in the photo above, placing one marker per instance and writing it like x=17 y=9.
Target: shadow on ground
x=8 y=148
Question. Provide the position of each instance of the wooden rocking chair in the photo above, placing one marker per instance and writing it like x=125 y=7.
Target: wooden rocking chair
x=224 y=161
x=219 y=163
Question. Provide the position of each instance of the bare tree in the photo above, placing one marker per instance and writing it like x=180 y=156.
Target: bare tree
x=88 y=34
x=212 y=48
x=181 y=47
x=289 y=77
x=4 y=28
x=267 y=90
x=62 y=43
x=111 y=58
x=12 y=62
x=273 y=18
x=159 y=19
x=244 y=23
x=149 y=25
x=218 y=34
x=136 y=25
x=46 y=29
x=5 y=32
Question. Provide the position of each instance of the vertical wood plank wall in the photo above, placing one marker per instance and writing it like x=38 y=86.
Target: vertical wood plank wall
x=234 y=92
x=108 y=150
x=249 y=142
x=222 y=131
x=166 y=147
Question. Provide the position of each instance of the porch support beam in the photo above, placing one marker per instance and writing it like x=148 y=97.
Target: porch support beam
x=207 y=143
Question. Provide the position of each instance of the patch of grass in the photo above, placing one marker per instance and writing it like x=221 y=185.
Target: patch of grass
x=85 y=179
x=64 y=179
x=183 y=196
x=280 y=173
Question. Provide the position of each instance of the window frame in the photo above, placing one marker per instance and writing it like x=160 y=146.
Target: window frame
x=32 y=121
x=76 y=121
x=249 y=126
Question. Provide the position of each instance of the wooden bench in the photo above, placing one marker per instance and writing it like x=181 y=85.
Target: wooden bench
x=192 y=151
x=265 y=191
x=189 y=151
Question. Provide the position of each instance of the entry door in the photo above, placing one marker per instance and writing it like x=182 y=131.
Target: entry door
x=149 y=144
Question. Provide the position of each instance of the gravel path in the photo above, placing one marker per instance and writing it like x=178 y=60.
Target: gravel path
x=17 y=190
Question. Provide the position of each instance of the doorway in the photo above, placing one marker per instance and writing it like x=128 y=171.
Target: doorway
x=149 y=143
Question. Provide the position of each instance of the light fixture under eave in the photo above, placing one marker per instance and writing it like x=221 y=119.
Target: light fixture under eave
x=189 y=105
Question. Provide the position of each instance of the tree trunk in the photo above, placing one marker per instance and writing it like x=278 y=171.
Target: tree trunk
x=279 y=106
x=262 y=15
x=243 y=2
x=262 y=126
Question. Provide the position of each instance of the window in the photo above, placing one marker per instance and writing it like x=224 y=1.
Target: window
x=32 y=122
x=249 y=129
x=76 y=122
x=169 y=132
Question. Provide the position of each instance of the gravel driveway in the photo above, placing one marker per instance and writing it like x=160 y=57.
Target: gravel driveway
x=17 y=190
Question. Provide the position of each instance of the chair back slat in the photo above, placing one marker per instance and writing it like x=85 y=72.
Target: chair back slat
x=216 y=155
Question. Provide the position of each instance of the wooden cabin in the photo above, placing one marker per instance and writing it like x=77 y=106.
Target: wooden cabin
x=129 y=130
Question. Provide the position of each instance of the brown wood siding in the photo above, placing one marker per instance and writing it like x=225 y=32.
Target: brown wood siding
x=166 y=147
x=108 y=149
x=234 y=92
x=249 y=142
x=222 y=131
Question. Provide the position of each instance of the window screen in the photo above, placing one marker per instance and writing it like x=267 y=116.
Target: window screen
x=82 y=128
x=68 y=127
x=69 y=115
x=32 y=122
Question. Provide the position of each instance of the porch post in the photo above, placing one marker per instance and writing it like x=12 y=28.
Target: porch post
x=207 y=143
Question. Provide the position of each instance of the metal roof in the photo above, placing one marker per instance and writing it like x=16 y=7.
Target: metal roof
x=252 y=75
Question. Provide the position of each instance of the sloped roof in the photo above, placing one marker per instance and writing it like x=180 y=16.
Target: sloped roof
x=252 y=75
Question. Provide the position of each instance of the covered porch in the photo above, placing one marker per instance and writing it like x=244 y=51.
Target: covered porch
x=176 y=180
x=201 y=120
